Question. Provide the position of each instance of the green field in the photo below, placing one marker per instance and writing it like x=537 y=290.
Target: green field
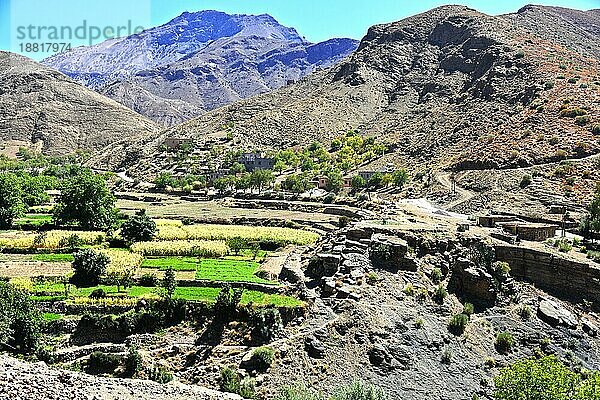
x=34 y=219
x=230 y=271
x=53 y=257
x=177 y=263
x=49 y=317
x=55 y=291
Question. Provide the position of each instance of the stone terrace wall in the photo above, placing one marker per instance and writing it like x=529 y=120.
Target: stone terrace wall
x=559 y=276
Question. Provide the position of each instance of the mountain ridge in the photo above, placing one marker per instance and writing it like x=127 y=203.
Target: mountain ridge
x=198 y=62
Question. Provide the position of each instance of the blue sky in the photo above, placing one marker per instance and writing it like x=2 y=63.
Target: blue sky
x=317 y=20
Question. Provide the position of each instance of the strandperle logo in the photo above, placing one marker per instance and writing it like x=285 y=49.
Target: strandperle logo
x=85 y=31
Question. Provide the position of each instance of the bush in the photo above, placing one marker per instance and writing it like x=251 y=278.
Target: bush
x=267 y=324
x=230 y=380
x=440 y=294
x=263 y=357
x=160 y=374
x=298 y=393
x=247 y=388
x=98 y=294
x=226 y=305
x=71 y=242
x=596 y=129
x=139 y=228
x=447 y=356
x=149 y=280
x=359 y=391
x=582 y=120
x=102 y=363
x=133 y=363
x=526 y=181
x=88 y=266
x=468 y=309
x=525 y=312
x=20 y=320
x=458 y=324
x=504 y=342
x=436 y=275
x=573 y=112
x=546 y=378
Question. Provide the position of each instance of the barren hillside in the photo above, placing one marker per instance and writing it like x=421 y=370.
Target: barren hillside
x=43 y=108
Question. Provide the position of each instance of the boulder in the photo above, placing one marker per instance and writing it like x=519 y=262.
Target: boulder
x=292 y=273
x=314 y=347
x=556 y=315
x=324 y=264
x=472 y=282
x=389 y=252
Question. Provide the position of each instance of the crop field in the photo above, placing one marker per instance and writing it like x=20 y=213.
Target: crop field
x=56 y=291
x=197 y=248
x=34 y=220
x=47 y=240
x=279 y=236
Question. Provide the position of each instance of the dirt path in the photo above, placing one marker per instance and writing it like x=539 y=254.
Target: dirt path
x=444 y=178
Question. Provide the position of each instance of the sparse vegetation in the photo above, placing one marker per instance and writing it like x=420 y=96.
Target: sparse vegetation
x=504 y=342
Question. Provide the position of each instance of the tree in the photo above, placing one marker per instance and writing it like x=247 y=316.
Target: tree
x=237 y=244
x=86 y=200
x=261 y=178
x=358 y=182
x=400 y=177
x=543 y=379
x=139 y=228
x=279 y=166
x=20 y=320
x=164 y=180
x=34 y=189
x=296 y=183
x=334 y=181
x=88 y=266
x=169 y=283
x=11 y=200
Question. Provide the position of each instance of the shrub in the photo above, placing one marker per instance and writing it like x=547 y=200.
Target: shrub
x=596 y=129
x=298 y=393
x=20 y=320
x=267 y=324
x=247 y=388
x=468 y=309
x=88 y=266
x=230 y=380
x=504 y=342
x=436 y=275
x=440 y=294
x=226 y=305
x=419 y=323
x=372 y=278
x=359 y=391
x=526 y=181
x=169 y=283
x=160 y=374
x=573 y=112
x=519 y=54
x=71 y=242
x=133 y=363
x=149 y=280
x=447 y=356
x=98 y=294
x=263 y=357
x=525 y=312
x=458 y=323
x=582 y=120
x=102 y=363
x=546 y=378
x=139 y=228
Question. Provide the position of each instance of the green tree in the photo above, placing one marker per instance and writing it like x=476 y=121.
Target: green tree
x=88 y=266
x=34 y=189
x=237 y=244
x=139 y=228
x=20 y=320
x=169 y=283
x=86 y=201
x=280 y=166
x=358 y=182
x=400 y=177
x=543 y=379
x=261 y=178
x=164 y=180
x=11 y=200
x=334 y=181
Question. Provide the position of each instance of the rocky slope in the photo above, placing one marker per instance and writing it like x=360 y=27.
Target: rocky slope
x=454 y=88
x=19 y=380
x=198 y=62
x=43 y=108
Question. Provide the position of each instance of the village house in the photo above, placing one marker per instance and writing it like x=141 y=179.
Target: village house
x=533 y=232
x=255 y=161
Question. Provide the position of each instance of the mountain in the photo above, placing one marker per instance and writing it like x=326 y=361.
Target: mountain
x=43 y=108
x=451 y=88
x=198 y=62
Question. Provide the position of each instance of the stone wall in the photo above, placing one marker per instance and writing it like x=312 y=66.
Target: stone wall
x=564 y=278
